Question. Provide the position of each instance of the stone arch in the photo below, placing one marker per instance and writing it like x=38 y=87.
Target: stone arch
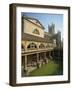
x=32 y=46
x=47 y=46
x=41 y=46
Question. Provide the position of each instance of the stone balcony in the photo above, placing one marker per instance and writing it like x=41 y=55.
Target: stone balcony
x=31 y=51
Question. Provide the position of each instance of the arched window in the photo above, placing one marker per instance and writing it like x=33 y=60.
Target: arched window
x=32 y=46
x=47 y=46
x=41 y=46
x=22 y=47
x=36 y=31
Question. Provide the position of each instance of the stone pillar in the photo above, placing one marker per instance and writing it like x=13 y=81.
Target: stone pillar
x=53 y=54
x=37 y=57
x=44 y=54
x=38 y=63
x=50 y=55
x=25 y=63
x=46 y=60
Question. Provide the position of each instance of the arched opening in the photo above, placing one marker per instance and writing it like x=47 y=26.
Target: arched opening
x=32 y=46
x=41 y=46
x=47 y=46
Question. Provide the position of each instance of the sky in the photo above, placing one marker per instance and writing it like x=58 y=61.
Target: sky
x=47 y=19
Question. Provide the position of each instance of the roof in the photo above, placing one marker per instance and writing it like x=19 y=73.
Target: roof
x=29 y=37
x=34 y=21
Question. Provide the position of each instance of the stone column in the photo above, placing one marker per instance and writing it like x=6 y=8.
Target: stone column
x=44 y=54
x=37 y=57
x=38 y=63
x=46 y=60
x=25 y=63
x=50 y=55
x=53 y=54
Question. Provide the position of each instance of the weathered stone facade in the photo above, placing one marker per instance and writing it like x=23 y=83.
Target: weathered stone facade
x=35 y=48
